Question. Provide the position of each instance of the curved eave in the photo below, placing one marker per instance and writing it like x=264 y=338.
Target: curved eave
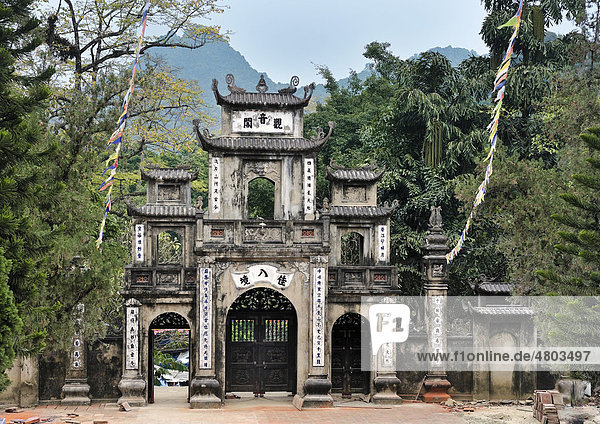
x=357 y=178
x=170 y=175
x=161 y=211
x=258 y=144
x=262 y=99
x=360 y=211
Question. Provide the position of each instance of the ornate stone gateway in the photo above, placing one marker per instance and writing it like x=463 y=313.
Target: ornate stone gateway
x=256 y=281
x=261 y=343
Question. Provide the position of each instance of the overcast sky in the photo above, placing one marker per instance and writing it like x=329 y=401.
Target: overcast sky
x=286 y=37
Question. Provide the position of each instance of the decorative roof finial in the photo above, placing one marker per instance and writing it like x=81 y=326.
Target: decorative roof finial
x=230 y=80
x=294 y=81
x=435 y=219
x=262 y=87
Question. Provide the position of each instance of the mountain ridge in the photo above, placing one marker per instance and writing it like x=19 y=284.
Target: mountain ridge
x=217 y=59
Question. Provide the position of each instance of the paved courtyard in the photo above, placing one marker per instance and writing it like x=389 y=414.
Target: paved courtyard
x=171 y=407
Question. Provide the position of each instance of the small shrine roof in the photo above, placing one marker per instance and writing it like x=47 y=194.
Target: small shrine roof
x=365 y=174
x=284 y=98
x=168 y=174
x=255 y=143
x=161 y=210
x=361 y=211
x=495 y=288
x=502 y=310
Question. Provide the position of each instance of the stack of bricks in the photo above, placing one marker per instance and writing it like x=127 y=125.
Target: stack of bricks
x=546 y=404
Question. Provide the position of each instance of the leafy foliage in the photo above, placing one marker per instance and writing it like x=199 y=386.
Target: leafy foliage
x=582 y=236
x=23 y=236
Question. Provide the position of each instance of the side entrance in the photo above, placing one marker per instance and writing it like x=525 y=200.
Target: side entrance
x=261 y=343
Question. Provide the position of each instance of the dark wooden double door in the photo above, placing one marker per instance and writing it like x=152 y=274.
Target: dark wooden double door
x=346 y=374
x=261 y=351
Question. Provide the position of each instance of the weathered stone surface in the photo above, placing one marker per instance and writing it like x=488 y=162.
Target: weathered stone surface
x=204 y=392
x=75 y=393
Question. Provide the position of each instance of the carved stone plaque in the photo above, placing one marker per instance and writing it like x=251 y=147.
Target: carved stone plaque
x=263 y=234
x=168 y=192
x=354 y=193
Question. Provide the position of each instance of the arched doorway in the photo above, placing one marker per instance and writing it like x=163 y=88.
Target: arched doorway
x=346 y=374
x=261 y=198
x=261 y=343
x=169 y=347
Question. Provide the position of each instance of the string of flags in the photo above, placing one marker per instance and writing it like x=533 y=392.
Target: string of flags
x=116 y=138
x=499 y=87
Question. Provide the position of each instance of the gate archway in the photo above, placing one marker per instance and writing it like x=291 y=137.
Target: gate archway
x=346 y=374
x=165 y=321
x=261 y=344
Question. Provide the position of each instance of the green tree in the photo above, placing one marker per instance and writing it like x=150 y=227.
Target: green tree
x=581 y=236
x=22 y=237
x=420 y=119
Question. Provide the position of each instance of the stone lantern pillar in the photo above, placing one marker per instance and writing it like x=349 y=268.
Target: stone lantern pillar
x=132 y=384
x=435 y=276
x=204 y=386
x=76 y=389
x=317 y=386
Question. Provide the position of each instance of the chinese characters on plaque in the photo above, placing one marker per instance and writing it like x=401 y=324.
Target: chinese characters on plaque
x=437 y=306
x=215 y=189
x=132 y=337
x=318 y=316
x=309 y=185
x=77 y=349
x=205 y=318
x=139 y=242
x=273 y=122
x=262 y=274
x=382 y=246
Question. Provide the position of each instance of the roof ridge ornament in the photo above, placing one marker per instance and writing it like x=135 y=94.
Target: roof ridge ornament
x=310 y=87
x=230 y=80
x=294 y=81
x=321 y=134
x=262 y=86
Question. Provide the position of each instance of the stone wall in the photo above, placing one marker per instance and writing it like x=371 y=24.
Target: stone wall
x=104 y=368
x=104 y=364
x=53 y=367
x=23 y=390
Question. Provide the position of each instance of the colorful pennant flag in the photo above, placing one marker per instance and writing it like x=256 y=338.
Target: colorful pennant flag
x=499 y=87
x=116 y=138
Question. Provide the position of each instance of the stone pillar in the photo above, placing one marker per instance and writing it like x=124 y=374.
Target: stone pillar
x=386 y=381
x=75 y=390
x=204 y=387
x=317 y=386
x=435 y=276
x=132 y=384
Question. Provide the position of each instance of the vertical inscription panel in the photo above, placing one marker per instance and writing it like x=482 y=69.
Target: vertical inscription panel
x=318 y=317
x=382 y=243
x=139 y=243
x=309 y=185
x=215 y=187
x=132 y=336
x=205 y=318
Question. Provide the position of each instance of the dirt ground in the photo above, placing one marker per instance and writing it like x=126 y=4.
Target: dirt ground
x=522 y=414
